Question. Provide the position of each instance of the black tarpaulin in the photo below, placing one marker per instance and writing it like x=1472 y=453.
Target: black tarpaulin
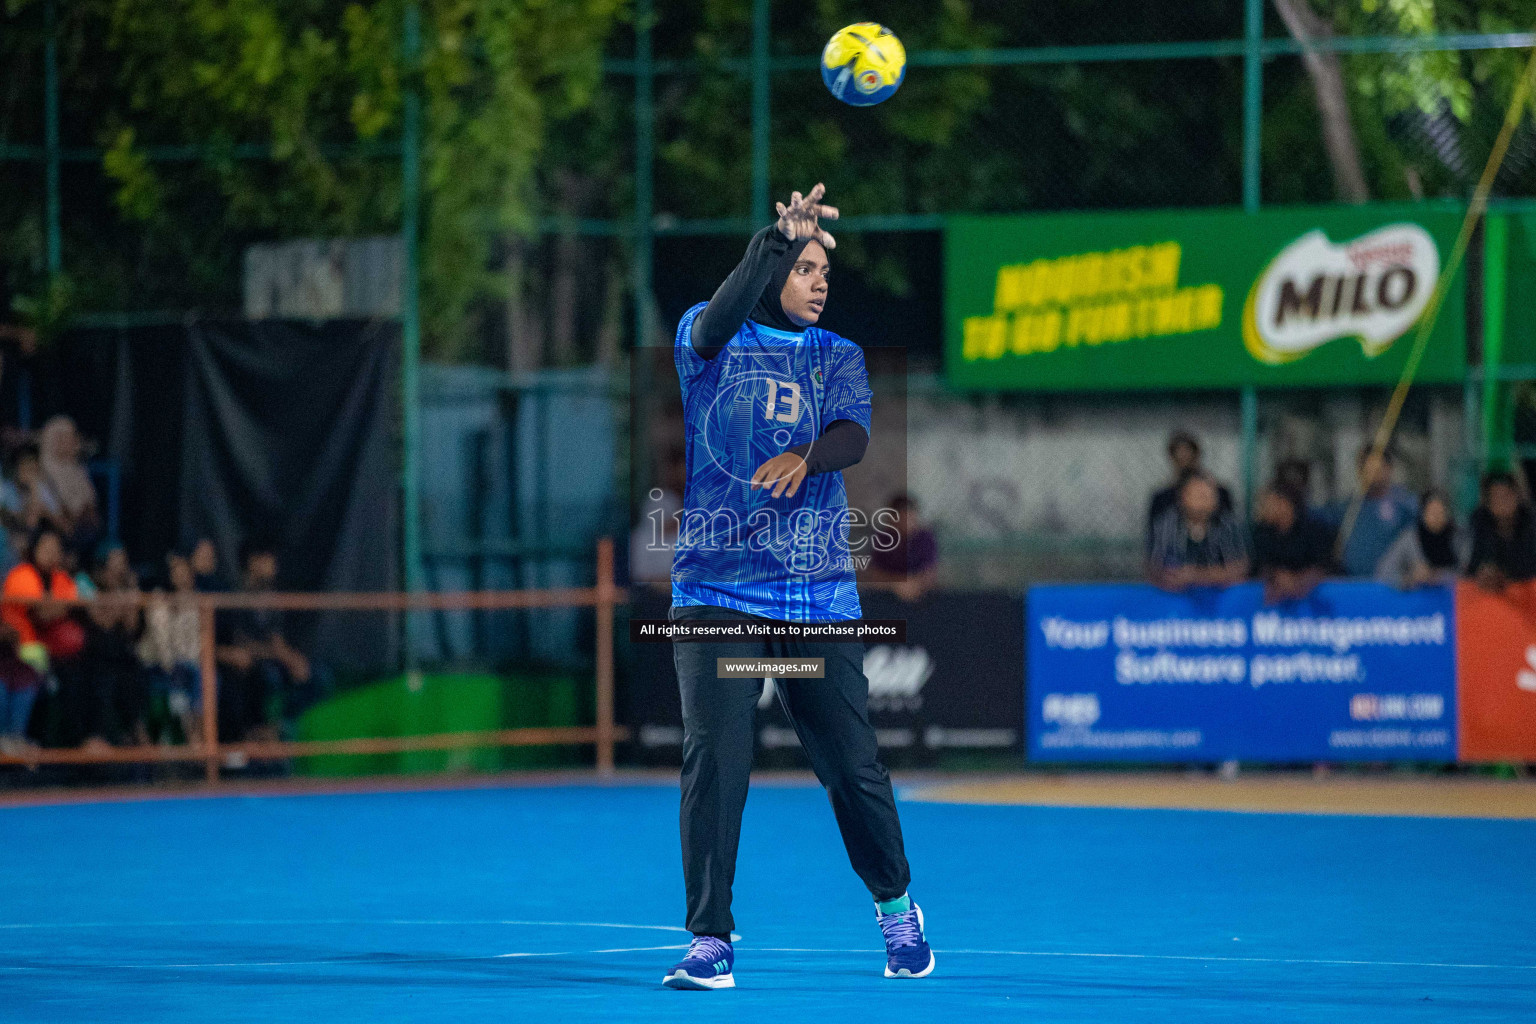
x=288 y=438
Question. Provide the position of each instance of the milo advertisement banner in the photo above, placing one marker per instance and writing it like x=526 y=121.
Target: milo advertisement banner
x=1197 y=299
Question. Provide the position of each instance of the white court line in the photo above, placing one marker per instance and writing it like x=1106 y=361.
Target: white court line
x=355 y=961
x=259 y=922
x=255 y=922
x=1169 y=956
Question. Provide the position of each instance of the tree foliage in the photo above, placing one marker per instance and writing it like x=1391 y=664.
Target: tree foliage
x=314 y=79
x=521 y=123
x=1427 y=119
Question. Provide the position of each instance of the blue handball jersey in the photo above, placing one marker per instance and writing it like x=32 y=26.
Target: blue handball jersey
x=765 y=392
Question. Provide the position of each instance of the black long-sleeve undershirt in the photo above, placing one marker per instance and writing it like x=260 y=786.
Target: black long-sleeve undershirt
x=732 y=302
x=841 y=445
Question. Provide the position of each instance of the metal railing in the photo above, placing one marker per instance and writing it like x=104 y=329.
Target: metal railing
x=602 y=597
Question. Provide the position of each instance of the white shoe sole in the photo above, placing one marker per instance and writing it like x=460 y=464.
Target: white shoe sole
x=904 y=973
x=684 y=980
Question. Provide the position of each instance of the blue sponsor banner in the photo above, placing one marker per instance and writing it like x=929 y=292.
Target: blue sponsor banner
x=1356 y=672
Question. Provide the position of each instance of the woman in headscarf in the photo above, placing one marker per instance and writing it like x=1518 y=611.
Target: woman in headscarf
x=59 y=445
x=1429 y=551
x=774 y=407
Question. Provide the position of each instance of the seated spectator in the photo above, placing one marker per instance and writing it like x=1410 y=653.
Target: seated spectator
x=1386 y=510
x=1294 y=477
x=1503 y=535
x=27 y=501
x=60 y=447
x=19 y=685
x=911 y=562
x=1428 y=552
x=1291 y=550
x=204 y=560
x=114 y=623
x=260 y=667
x=1196 y=543
x=172 y=647
x=1184 y=458
x=51 y=639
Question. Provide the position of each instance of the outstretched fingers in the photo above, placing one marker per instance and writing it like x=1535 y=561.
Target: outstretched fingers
x=800 y=218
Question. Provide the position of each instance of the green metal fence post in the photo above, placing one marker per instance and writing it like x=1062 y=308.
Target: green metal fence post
x=761 y=82
x=1466 y=485
x=645 y=179
x=1497 y=438
x=410 y=304
x=1253 y=123
x=51 y=145
x=1250 y=403
x=1253 y=101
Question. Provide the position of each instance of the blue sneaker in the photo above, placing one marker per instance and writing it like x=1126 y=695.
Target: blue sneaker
x=906 y=947
x=707 y=965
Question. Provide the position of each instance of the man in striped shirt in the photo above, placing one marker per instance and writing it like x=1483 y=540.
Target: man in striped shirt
x=1197 y=543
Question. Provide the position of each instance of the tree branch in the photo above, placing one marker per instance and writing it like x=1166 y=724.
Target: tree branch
x=1327 y=73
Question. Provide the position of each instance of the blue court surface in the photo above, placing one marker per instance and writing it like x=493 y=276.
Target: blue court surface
x=564 y=903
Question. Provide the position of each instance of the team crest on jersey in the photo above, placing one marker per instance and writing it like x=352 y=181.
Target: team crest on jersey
x=816 y=376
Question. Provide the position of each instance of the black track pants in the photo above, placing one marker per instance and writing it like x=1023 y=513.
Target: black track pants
x=831 y=720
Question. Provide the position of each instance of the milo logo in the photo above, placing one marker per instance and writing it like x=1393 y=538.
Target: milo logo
x=1373 y=288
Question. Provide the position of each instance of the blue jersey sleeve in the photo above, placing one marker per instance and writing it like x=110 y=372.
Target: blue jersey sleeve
x=848 y=394
x=689 y=363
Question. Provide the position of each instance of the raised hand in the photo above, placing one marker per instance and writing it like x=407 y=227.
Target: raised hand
x=800 y=219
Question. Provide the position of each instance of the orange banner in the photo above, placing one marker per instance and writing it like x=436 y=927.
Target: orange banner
x=1496 y=673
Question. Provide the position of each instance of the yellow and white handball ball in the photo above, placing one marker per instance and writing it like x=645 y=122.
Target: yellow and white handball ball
x=863 y=64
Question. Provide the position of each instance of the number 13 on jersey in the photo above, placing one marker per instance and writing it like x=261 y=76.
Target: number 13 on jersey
x=783 y=403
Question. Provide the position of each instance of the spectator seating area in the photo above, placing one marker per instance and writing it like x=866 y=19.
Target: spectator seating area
x=114 y=659
x=1195 y=537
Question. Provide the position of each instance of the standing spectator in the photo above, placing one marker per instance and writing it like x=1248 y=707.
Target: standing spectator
x=51 y=640
x=263 y=668
x=1184 y=459
x=1503 y=535
x=172 y=646
x=60 y=447
x=1196 y=543
x=911 y=562
x=1290 y=549
x=1430 y=551
x=1386 y=510
x=114 y=623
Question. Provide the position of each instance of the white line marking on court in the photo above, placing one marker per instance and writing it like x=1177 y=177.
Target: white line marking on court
x=257 y=922
x=1168 y=956
x=584 y=952
x=365 y=962
x=263 y=922
x=356 y=961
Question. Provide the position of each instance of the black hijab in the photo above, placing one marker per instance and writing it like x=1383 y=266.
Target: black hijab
x=1439 y=548
x=769 y=311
